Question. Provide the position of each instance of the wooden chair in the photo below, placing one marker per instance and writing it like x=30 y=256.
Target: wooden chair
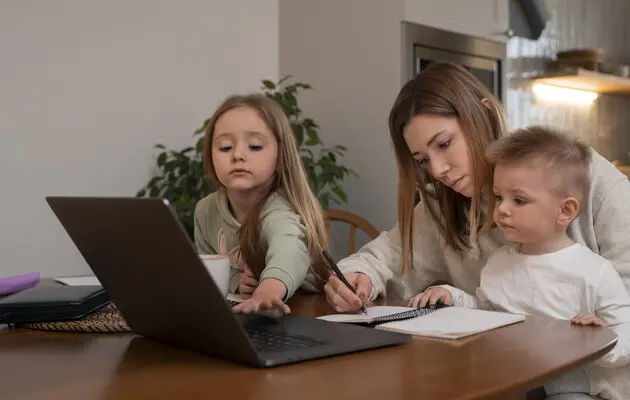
x=355 y=221
x=625 y=169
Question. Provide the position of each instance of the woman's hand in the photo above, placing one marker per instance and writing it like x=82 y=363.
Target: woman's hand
x=343 y=299
x=431 y=296
x=248 y=283
x=266 y=300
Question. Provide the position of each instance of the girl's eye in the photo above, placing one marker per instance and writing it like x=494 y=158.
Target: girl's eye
x=255 y=148
x=423 y=161
x=498 y=197
x=224 y=149
x=444 y=145
x=520 y=202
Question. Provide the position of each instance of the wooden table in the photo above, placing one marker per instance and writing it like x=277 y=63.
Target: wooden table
x=503 y=362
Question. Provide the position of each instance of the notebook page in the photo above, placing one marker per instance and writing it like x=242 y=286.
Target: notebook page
x=454 y=322
x=373 y=312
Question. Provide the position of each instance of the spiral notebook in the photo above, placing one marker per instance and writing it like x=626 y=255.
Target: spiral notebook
x=435 y=321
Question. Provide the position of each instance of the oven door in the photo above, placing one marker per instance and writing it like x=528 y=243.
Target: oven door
x=485 y=69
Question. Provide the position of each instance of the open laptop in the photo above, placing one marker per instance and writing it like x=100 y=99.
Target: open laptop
x=141 y=254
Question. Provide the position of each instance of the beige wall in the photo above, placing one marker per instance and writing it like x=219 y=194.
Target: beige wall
x=88 y=87
x=350 y=52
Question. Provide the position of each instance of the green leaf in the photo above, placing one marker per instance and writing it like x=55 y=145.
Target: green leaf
x=307 y=153
x=290 y=103
x=298 y=132
x=278 y=98
x=336 y=189
x=161 y=159
x=309 y=123
x=313 y=137
x=202 y=128
x=323 y=200
x=268 y=84
x=199 y=146
x=141 y=193
x=285 y=78
x=154 y=181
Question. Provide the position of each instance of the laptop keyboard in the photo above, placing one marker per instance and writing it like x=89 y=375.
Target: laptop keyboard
x=272 y=341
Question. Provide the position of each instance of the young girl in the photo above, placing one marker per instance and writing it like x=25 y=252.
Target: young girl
x=264 y=215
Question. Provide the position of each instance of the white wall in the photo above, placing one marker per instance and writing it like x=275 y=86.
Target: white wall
x=88 y=87
x=350 y=51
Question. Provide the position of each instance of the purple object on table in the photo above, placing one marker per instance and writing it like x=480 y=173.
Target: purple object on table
x=14 y=284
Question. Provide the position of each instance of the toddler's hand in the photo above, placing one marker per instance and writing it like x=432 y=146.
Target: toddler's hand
x=587 y=319
x=431 y=296
x=248 y=283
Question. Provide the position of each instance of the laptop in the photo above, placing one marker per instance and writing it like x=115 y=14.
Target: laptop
x=141 y=254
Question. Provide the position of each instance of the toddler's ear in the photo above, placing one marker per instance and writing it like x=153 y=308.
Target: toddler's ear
x=568 y=211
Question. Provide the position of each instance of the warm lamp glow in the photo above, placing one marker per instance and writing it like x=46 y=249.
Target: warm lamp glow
x=563 y=95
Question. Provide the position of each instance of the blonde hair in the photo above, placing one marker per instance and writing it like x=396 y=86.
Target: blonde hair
x=446 y=89
x=289 y=181
x=567 y=161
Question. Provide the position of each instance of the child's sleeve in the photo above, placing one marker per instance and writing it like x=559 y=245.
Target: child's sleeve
x=287 y=255
x=463 y=299
x=479 y=300
x=201 y=241
x=612 y=305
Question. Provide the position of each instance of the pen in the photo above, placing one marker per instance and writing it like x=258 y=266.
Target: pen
x=340 y=275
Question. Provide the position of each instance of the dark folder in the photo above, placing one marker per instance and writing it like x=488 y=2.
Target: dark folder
x=51 y=303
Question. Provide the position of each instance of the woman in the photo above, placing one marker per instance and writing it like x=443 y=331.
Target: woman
x=440 y=125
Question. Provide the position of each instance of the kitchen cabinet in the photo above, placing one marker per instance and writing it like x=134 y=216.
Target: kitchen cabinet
x=488 y=19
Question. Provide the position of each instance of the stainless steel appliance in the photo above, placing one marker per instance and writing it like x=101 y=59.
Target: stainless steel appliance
x=484 y=58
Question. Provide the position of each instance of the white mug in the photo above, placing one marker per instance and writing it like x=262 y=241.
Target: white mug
x=219 y=268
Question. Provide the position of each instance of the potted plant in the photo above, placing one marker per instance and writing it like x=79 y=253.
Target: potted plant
x=181 y=179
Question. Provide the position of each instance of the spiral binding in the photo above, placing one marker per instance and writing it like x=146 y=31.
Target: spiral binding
x=407 y=314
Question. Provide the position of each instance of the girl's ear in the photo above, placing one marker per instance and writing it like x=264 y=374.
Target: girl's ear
x=568 y=211
x=486 y=103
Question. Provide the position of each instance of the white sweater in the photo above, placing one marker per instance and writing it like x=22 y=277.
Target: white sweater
x=603 y=226
x=561 y=285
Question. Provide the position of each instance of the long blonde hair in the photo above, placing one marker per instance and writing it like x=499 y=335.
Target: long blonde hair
x=289 y=181
x=446 y=89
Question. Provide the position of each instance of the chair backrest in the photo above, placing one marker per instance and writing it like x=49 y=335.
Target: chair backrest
x=355 y=222
x=625 y=169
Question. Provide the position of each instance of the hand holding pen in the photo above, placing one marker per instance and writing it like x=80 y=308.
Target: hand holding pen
x=349 y=292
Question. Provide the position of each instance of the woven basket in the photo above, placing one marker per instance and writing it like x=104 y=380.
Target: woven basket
x=106 y=319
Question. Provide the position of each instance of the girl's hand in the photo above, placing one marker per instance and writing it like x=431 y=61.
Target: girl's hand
x=343 y=299
x=248 y=283
x=431 y=296
x=266 y=300
x=586 y=319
